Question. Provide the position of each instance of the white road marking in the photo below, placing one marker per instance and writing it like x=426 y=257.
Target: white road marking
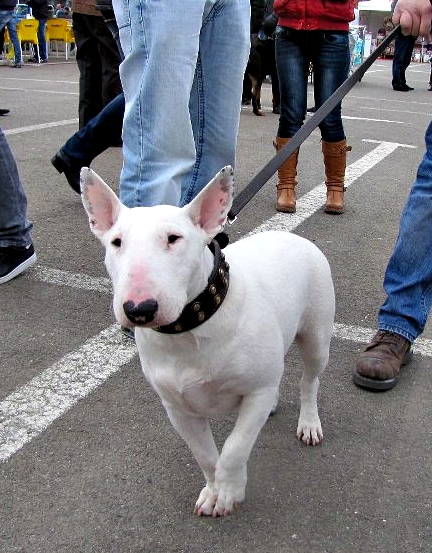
x=32 y=128
x=28 y=411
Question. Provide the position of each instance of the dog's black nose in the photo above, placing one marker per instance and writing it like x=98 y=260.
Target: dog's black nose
x=142 y=313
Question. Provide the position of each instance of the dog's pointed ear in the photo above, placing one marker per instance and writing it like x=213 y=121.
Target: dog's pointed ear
x=100 y=202
x=209 y=209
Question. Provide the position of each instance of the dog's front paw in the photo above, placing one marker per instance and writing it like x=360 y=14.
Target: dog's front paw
x=205 y=503
x=309 y=430
x=229 y=498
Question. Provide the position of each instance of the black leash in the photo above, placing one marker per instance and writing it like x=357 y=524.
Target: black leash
x=300 y=136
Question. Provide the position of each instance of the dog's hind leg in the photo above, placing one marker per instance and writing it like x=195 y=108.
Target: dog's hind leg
x=314 y=351
x=256 y=95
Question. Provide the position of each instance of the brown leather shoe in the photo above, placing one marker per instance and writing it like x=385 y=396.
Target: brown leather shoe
x=379 y=365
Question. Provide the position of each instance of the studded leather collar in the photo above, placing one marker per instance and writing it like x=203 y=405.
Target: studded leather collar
x=208 y=302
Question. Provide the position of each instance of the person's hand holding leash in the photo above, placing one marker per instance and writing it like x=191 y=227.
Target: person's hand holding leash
x=414 y=17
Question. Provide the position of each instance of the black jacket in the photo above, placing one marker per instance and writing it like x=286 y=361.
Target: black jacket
x=39 y=8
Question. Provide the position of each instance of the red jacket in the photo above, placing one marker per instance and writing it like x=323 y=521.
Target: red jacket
x=312 y=15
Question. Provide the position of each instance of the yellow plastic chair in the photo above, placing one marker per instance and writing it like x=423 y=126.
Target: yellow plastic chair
x=60 y=30
x=27 y=32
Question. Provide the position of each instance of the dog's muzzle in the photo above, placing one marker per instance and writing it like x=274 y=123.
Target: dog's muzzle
x=142 y=313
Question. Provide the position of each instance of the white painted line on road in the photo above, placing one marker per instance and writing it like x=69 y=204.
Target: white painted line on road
x=65 y=278
x=373 y=120
x=32 y=128
x=27 y=412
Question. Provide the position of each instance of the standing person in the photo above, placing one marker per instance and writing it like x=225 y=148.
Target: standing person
x=16 y=246
x=408 y=277
x=98 y=60
x=182 y=79
x=402 y=56
x=41 y=12
x=8 y=20
x=101 y=132
x=312 y=32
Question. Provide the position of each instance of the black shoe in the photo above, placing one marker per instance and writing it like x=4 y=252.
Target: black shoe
x=71 y=170
x=33 y=60
x=13 y=261
x=4 y=111
x=402 y=88
x=277 y=109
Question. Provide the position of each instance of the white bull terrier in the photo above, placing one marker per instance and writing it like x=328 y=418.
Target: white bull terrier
x=212 y=334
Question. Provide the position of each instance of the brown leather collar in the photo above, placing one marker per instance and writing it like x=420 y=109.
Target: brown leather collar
x=208 y=302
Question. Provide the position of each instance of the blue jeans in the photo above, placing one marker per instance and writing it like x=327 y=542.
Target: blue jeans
x=41 y=50
x=182 y=78
x=403 y=49
x=408 y=278
x=100 y=133
x=8 y=19
x=330 y=56
x=14 y=227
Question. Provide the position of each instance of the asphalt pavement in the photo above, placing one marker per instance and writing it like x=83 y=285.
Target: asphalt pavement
x=89 y=462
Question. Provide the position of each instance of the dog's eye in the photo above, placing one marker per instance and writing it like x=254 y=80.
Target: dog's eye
x=172 y=238
x=116 y=242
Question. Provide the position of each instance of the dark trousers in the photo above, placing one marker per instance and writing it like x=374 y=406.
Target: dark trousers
x=100 y=133
x=98 y=60
x=403 y=49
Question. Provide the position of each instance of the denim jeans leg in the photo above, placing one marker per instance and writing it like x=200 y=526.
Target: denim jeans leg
x=408 y=278
x=293 y=66
x=43 y=55
x=157 y=76
x=14 y=227
x=5 y=17
x=13 y=35
x=331 y=59
x=223 y=54
x=100 y=133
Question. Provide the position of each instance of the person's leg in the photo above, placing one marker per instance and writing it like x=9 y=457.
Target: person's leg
x=408 y=285
x=89 y=65
x=43 y=54
x=407 y=59
x=292 y=63
x=402 y=48
x=408 y=278
x=81 y=148
x=16 y=247
x=13 y=35
x=14 y=227
x=331 y=60
x=217 y=88
x=157 y=76
x=110 y=61
x=293 y=66
x=2 y=39
x=5 y=17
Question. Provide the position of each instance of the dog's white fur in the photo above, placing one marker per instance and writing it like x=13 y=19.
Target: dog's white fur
x=280 y=291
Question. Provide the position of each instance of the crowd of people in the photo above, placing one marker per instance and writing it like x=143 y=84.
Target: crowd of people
x=174 y=144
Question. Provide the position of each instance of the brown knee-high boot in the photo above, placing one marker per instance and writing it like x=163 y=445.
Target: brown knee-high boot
x=287 y=180
x=335 y=165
